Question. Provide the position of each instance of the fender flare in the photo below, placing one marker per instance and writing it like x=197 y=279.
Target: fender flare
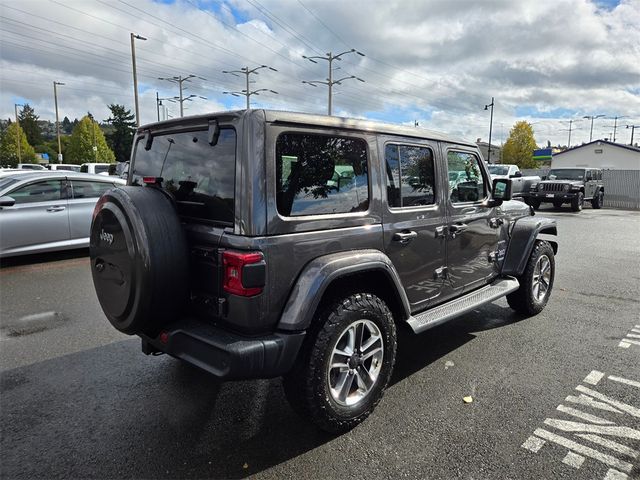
x=318 y=275
x=523 y=237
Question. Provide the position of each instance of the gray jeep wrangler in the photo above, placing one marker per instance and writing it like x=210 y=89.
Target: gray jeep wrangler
x=257 y=244
x=569 y=185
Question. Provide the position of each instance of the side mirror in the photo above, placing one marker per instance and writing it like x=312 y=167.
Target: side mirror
x=502 y=189
x=518 y=174
x=544 y=177
x=213 y=133
x=7 y=201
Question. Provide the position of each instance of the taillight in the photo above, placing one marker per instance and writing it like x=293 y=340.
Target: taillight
x=244 y=273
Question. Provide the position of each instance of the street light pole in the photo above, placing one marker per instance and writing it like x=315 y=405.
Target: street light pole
x=246 y=72
x=592 y=117
x=329 y=57
x=486 y=107
x=180 y=80
x=55 y=97
x=135 y=74
x=16 y=105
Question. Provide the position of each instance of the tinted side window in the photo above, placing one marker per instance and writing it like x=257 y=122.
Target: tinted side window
x=48 y=191
x=84 y=168
x=101 y=168
x=321 y=174
x=86 y=189
x=410 y=175
x=466 y=182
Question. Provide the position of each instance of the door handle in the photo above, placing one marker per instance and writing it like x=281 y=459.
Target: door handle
x=405 y=236
x=55 y=209
x=457 y=228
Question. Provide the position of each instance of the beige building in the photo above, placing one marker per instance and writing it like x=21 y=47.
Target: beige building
x=599 y=154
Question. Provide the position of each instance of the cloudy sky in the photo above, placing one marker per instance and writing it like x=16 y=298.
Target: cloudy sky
x=437 y=62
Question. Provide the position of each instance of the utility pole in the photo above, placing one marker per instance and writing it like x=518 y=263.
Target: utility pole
x=592 y=118
x=135 y=74
x=55 y=96
x=180 y=80
x=95 y=147
x=330 y=82
x=246 y=92
x=486 y=107
x=16 y=105
x=633 y=128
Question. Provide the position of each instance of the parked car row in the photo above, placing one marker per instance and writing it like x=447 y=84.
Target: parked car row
x=44 y=211
x=89 y=167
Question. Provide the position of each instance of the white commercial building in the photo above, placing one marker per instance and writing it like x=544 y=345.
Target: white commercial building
x=599 y=154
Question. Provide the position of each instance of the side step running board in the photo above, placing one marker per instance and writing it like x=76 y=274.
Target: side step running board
x=464 y=304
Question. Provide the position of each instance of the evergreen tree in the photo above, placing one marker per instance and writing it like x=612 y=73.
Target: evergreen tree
x=124 y=127
x=65 y=126
x=29 y=123
x=519 y=147
x=9 y=147
x=87 y=134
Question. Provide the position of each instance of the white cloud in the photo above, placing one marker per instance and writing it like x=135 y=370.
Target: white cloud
x=437 y=62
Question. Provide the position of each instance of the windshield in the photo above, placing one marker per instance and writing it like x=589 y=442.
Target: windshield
x=565 y=174
x=201 y=177
x=498 y=170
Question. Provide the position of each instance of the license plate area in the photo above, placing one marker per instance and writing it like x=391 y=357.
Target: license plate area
x=550 y=195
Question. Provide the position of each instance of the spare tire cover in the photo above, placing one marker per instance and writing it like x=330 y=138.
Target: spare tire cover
x=139 y=259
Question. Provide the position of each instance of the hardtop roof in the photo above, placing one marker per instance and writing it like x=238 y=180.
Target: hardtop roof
x=276 y=116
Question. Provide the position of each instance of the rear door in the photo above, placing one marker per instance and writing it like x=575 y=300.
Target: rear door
x=38 y=219
x=473 y=228
x=414 y=218
x=83 y=198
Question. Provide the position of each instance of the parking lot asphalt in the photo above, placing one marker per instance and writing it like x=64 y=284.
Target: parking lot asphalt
x=554 y=396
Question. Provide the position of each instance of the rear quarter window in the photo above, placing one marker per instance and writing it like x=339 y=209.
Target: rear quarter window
x=321 y=174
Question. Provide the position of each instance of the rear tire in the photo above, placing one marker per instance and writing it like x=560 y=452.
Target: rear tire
x=577 y=202
x=536 y=282
x=338 y=380
x=598 y=201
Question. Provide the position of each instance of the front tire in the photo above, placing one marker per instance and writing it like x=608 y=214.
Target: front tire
x=345 y=364
x=535 y=203
x=536 y=282
x=577 y=202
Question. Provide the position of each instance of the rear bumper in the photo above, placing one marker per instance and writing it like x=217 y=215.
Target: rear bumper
x=227 y=355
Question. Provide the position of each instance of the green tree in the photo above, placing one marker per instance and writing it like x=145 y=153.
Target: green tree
x=65 y=126
x=519 y=147
x=29 y=123
x=9 y=147
x=124 y=128
x=87 y=134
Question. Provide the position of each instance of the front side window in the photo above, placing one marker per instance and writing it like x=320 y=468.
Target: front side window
x=47 y=191
x=466 y=183
x=410 y=175
x=321 y=174
x=200 y=177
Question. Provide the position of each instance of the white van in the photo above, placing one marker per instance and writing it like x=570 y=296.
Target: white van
x=99 y=168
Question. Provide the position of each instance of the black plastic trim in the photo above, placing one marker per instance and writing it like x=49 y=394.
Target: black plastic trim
x=227 y=355
x=523 y=237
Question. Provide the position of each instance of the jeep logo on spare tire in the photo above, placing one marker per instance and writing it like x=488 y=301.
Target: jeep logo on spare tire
x=107 y=237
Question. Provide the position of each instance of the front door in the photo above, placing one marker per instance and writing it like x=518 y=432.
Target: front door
x=473 y=228
x=414 y=219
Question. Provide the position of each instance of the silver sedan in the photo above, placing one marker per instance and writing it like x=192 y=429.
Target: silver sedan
x=48 y=211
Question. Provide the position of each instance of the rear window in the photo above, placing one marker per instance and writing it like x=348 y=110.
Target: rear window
x=201 y=177
x=321 y=174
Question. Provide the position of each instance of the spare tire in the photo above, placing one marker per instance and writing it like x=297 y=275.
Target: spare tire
x=139 y=259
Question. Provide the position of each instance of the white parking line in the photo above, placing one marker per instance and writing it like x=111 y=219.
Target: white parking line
x=631 y=337
x=593 y=429
x=593 y=378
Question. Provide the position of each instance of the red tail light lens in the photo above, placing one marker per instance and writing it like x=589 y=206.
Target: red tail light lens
x=236 y=273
